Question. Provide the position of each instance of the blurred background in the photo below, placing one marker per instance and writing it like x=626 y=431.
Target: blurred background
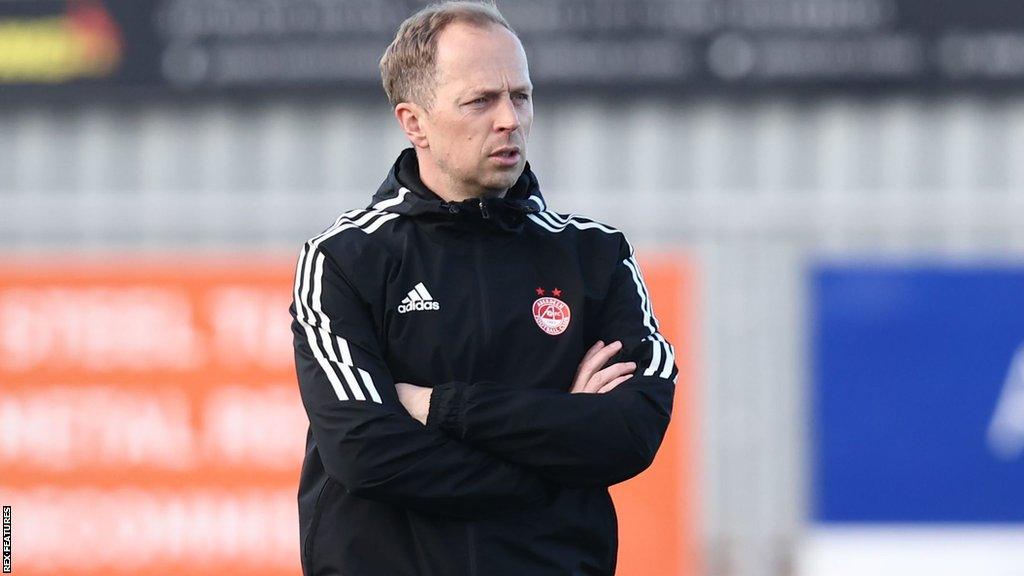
x=825 y=194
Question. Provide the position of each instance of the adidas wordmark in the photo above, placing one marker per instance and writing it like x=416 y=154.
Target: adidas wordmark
x=418 y=299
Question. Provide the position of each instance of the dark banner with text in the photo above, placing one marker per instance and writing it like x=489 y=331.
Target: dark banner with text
x=174 y=48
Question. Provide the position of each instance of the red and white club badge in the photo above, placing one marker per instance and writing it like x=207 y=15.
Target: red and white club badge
x=551 y=314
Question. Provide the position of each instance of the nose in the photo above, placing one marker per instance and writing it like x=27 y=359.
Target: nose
x=507 y=119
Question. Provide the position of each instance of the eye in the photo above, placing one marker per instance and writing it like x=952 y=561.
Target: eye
x=521 y=96
x=477 y=101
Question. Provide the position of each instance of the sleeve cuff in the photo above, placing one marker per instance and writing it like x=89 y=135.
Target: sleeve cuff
x=445 y=412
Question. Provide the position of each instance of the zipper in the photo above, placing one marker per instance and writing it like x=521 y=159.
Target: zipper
x=485 y=343
x=485 y=318
x=484 y=295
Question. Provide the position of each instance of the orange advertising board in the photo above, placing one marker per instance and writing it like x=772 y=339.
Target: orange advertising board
x=150 y=421
x=657 y=510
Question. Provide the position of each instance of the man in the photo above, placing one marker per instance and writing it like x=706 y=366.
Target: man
x=476 y=369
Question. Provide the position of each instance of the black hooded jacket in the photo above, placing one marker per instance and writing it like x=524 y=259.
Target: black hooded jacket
x=493 y=304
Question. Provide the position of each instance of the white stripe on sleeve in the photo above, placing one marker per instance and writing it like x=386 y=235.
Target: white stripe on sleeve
x=324 y=324
x=346 y=354
x=368 y=382
x=655 y=357
x=321 y=358
x=308 y=294
x=350 y=377
x=669 y=361
x=658 y=344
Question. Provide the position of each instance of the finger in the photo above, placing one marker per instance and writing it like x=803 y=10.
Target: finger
x=602 y=356
x=593 y=350
x=586 y=357
x=614 y=371
x=596 y=357
x=610 y=373
x=611 y=385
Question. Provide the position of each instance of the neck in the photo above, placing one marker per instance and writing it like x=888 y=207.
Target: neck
x=448 y=190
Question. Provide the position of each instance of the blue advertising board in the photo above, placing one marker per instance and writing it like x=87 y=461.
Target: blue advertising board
x=918 y=393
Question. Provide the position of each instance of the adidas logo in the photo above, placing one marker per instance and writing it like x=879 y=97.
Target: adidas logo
x=418 y=299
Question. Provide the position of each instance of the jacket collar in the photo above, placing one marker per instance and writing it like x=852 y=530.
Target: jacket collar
x=402 y=192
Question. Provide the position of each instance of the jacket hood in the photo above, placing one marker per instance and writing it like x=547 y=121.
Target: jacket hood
x=402 y=192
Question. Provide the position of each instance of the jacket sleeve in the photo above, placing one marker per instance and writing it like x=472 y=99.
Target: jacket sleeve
x=366 y=439
x=577 y=439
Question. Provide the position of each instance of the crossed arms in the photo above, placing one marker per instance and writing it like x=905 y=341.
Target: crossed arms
x=593 y=376
x=485 y=448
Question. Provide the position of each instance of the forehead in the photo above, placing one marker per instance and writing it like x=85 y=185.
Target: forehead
x=470 y=55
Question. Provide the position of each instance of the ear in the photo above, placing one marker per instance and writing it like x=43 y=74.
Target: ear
x=413 y=120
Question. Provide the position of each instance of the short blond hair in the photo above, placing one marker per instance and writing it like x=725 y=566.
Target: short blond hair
x=408 y=68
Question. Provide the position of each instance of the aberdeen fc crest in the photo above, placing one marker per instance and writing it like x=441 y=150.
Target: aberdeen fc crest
x=551 y=314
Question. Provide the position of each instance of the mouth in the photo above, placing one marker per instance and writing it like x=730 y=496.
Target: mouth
x=507 y=156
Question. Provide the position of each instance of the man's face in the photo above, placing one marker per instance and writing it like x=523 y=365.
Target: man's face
x=482 y=110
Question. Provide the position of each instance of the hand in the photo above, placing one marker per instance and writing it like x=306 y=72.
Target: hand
x=415 y=399
x=592 y=378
